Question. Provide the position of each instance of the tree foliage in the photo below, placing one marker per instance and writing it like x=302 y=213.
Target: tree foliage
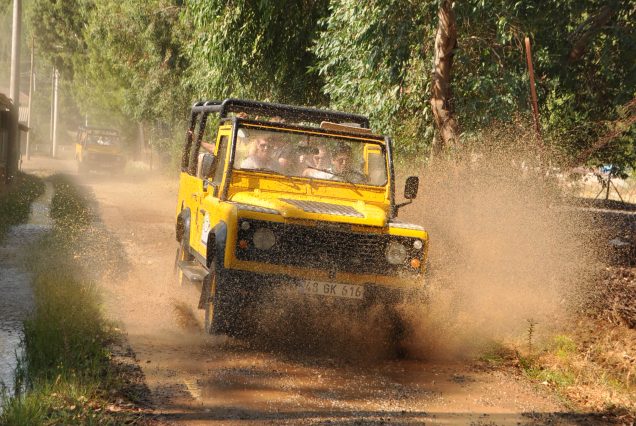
x=256 y=49
x=134 y=59
x=148 y=61
x=375 y=57
x=58 y=26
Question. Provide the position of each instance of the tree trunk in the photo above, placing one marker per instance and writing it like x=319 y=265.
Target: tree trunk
x=584 y=34
x=618 y=127
x=445 y=44
x=141 y=141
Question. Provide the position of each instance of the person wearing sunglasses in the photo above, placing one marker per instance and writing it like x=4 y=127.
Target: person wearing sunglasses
x=260 y=156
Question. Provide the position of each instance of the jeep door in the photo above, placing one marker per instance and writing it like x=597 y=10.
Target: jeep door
x=206 y=215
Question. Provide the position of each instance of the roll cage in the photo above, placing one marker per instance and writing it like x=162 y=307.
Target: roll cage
x=296 y=117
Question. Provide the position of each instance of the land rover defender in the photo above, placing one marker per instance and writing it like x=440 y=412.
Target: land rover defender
x=291 y=196
x=98 y=149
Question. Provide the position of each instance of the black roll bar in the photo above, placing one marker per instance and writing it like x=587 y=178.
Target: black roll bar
x=288 y=112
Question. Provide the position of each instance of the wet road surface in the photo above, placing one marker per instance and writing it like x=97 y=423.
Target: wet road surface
x=15 y=284
x=200 y=379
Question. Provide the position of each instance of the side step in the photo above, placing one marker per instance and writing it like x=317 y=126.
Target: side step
x=192 y=270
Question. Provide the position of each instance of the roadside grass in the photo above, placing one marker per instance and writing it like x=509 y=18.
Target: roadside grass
x=65 y=375
x=591 y=367
x=16 y=199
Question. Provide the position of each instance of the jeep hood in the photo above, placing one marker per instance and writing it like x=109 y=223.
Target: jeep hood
x=311 y=208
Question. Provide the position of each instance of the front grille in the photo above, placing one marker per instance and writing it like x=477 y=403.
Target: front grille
x=105 y=159
x=321 y=248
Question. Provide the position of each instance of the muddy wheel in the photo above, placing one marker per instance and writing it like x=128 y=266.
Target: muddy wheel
x=222 y=304
x=183 y=255
x=207 y=296
x=217 y=302
x=397 y=332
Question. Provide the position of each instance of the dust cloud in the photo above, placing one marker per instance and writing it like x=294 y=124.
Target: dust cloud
x=504 y=254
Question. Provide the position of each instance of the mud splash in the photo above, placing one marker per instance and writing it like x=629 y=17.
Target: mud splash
x=503 y=256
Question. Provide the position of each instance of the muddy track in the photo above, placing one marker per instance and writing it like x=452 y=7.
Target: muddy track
x=198 y=379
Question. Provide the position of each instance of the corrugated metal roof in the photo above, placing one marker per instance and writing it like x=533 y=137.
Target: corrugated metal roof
x=23 y=117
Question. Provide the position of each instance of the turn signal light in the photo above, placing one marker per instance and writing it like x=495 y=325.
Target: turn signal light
x=243 y=244
x=415 y=263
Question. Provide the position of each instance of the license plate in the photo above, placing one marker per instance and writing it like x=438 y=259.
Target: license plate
x=348 y=291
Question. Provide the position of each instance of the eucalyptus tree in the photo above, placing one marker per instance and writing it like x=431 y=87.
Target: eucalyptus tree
x=134 y=61
x=255 y=49
x=376 y=57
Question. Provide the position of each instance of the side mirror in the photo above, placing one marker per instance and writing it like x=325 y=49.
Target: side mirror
x=411 y=186
x=207 y=165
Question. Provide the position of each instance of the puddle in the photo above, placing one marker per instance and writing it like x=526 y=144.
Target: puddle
x=15 y=288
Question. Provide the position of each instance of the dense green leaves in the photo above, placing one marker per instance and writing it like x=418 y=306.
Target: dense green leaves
x=148 y=61
x=375 y=57
x=255 y=49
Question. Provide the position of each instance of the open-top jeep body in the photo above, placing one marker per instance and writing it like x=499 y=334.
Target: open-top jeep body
x=98 y=149
x=295 y=197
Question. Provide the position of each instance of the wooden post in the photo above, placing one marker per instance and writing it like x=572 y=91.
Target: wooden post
x=533 y=94
x=56 y=78
x=28 y=135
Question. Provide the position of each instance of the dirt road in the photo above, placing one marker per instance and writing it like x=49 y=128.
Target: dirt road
x=198 y=379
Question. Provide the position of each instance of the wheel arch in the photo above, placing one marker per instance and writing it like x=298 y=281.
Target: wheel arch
x=182 y=229
x=217 y=239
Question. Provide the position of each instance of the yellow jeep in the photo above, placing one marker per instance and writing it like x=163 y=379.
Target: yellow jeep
x=98 y=149
x=291 y=197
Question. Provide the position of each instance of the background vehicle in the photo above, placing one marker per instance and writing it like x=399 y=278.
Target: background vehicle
x=98 y=149
x=299 y=199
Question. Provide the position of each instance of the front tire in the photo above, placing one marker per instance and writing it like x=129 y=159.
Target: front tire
x=398 y=332
x=222 y=308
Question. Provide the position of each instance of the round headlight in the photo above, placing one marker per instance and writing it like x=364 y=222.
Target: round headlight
x=395 y=253
x=264 y=239
x=417 y=244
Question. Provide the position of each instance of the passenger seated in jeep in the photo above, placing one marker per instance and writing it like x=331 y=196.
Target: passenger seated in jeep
x=294 y=159
x=342 y=167
x=260 y=156
x=317 y=164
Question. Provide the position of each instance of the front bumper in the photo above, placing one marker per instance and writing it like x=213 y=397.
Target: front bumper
x=105 y=162
x=258 y=283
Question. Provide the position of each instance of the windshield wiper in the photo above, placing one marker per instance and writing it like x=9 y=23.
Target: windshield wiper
x=267 y=169
x=341 y=175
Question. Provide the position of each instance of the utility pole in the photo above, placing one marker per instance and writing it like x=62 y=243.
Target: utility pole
x=56 y=78
x=13 y=147
x=52 y=105
x=28 y=136
x=14 y=89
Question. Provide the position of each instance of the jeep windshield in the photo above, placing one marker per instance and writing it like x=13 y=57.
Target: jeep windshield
x=310 y=156
x=103 y=140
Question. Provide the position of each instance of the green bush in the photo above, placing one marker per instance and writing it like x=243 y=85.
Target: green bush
x=15 y=201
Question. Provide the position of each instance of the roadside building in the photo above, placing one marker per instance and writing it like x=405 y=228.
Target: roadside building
x=10 y=129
